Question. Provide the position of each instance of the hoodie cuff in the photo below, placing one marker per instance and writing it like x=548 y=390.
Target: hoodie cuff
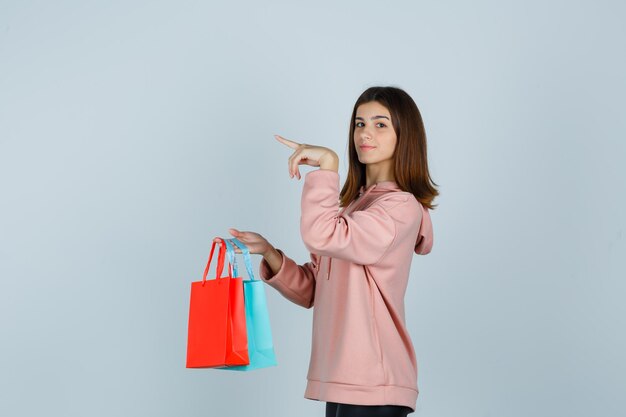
x=265 y=271
x=322 y=175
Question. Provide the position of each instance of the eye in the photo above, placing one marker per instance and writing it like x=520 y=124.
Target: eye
x=357 y=124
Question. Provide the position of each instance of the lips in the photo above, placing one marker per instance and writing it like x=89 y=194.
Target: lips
x=366 y=148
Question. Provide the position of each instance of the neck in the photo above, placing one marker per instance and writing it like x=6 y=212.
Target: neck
x=379 y=172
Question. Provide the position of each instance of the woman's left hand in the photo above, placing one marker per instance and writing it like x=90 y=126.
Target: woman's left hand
x=304 y=155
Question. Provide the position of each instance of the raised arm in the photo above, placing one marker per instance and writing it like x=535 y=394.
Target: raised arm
x=362 y=236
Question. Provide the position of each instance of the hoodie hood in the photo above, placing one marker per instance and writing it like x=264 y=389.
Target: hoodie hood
x=424 y=238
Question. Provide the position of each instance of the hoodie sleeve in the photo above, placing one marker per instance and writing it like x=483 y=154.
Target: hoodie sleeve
x=424 y=243
x=362 y=236
x=295 y=282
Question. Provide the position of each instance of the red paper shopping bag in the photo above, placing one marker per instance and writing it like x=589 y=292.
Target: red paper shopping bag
x=217 y=334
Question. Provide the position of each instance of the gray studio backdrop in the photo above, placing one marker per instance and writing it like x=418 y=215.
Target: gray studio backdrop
x=132 y=133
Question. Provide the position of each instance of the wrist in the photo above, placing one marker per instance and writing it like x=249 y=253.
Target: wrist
x=271 y=253
x=330 y=161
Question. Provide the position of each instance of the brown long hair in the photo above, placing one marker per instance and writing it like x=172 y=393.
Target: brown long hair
x=410 y=158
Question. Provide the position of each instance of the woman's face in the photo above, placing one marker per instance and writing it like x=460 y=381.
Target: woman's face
x=372 y=127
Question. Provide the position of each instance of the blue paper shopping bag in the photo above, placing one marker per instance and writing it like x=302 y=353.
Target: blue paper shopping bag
x=260 y=344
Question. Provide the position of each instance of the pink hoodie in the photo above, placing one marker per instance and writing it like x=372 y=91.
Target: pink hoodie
x=357 y=277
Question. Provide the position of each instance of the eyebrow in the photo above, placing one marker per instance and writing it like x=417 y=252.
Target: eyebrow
x=372 y=118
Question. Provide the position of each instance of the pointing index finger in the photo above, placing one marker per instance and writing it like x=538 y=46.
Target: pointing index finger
x=287 y=142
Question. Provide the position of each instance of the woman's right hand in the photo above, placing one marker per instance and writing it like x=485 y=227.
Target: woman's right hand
x=253 y=241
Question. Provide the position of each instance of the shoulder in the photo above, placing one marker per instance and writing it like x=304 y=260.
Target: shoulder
x=402 y=207
x=402 y=201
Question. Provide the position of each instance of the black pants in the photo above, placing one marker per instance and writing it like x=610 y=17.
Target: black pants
x=351 y=410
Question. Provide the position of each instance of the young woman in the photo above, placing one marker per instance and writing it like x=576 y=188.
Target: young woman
x=361 y=242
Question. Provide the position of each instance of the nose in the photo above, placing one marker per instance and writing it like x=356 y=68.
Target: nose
x=365 y=136
x=366 y=133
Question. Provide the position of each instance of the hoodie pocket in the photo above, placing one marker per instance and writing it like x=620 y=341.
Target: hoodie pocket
x=379 y=351
x=374 y=326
